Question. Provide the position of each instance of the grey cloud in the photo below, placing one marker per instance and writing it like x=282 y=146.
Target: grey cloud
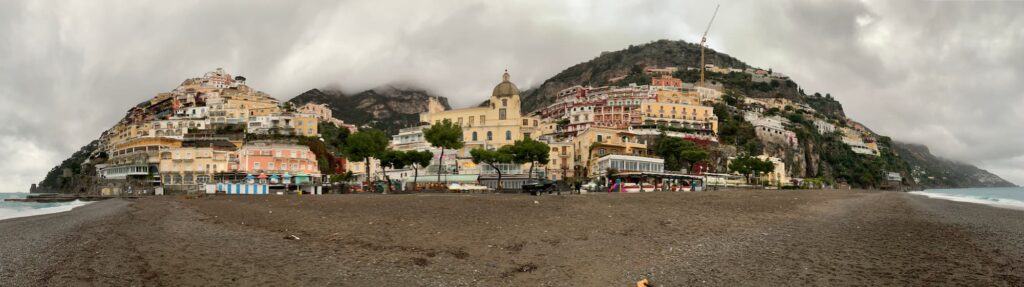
x=927 y=72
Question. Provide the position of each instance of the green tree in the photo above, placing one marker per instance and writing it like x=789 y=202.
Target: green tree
x=334 y=137
x=417 y=159
x=562 y=124
x=493 y=158
x=444 y=135
x=530 y=151
x=391 y=159
x=747 y=165
x=363 y=145
x=677 y=152
x=760 y=166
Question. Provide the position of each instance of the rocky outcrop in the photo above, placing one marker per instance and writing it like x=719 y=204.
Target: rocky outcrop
x=387 y=108
x=931 y=171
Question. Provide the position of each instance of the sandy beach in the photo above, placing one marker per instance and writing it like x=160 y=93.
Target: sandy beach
x=749 y=238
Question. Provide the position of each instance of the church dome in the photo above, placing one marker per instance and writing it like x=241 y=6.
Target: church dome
x=505 y=88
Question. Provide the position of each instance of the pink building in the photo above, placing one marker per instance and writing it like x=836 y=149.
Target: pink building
x=274 y=158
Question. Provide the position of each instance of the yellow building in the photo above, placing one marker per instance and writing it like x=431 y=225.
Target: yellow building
x=192 y=165
x=778 y=176
x=677 y=97
x=305 y=125
x=562 y=160
x=597 y=142
x=133 y=157
x=696 y=117
x=236 y=106
x=499 y=123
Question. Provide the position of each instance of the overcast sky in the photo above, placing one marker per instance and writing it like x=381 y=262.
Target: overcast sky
x=943 y=73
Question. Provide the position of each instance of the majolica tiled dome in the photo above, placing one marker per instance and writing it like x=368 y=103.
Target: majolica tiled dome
x=505 y=88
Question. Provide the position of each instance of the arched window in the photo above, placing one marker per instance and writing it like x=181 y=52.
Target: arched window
x=508 y=135
x=474 y=136
x=490 y=136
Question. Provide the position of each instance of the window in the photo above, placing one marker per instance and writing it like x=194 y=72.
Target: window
x=483 y=120
x=474 y=136
x=534 y=122
x=526 y=122
x=293 y=154
x=508 y=135
x=471 y=118
x=270 y=165
x=278 y=153
x=460 y=121
x=599 y=138
x=504 y=102
x=490 y=136
x=501 y=114
x=256 y=165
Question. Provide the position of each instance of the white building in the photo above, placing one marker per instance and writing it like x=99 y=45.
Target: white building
x=192 y=112
x=771 y=128
x=580 y=118
x=628 y=163
x=824 y=127
x=410 y=139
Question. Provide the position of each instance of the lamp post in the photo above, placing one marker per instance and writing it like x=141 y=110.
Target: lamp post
x=704 y=172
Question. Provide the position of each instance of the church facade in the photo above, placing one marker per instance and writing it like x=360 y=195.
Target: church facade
x=499 y=123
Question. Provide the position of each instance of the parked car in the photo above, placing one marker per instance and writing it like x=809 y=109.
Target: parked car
x=536 y=187
x=589 y=187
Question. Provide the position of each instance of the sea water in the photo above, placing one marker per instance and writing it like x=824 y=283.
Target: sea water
x=10 y=209
x=1007 y=197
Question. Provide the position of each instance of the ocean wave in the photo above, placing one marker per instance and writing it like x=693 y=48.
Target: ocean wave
x=980 y=199
x=8 y=212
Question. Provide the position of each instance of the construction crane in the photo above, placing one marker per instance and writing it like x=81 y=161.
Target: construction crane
x=704 y=39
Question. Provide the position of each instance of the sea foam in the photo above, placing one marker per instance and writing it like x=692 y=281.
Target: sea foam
x=998 y=197
x=15 y=210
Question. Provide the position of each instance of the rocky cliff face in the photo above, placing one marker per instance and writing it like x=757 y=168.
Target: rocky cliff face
x=386 y=108
x=932 y=171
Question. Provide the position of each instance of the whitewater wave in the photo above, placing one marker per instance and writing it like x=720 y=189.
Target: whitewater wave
x=8 y=212
x=980 y=199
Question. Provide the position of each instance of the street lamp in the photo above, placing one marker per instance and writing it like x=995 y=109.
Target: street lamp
x=704 y=172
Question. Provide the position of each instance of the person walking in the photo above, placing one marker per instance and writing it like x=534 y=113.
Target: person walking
x=578 y=185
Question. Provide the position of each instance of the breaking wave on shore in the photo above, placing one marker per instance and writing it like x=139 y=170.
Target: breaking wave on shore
x=10 y=210
x=1010 y=197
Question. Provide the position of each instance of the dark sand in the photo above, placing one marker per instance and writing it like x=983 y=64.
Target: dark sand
x=753 y=238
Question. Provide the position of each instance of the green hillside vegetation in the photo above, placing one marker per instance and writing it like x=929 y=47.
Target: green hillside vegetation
x=388 y=109
x=596 y=72
x=74 y=163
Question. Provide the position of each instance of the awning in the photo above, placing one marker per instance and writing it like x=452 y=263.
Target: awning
x=455 y=178
x=656 y=175
x=262 y=176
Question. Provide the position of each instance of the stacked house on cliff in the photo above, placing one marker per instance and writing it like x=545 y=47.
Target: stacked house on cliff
x=210 y=129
